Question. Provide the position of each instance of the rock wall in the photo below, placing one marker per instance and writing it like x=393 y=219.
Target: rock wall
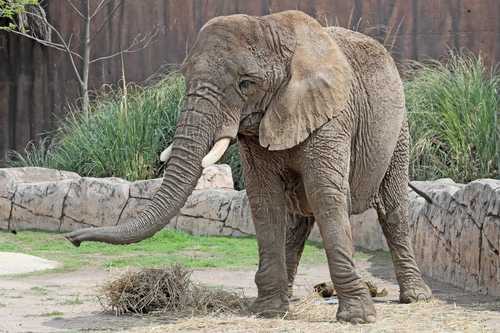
x=456 y=237
x=52 y=200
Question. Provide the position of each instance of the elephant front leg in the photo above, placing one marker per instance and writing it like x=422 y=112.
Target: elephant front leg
x=269 y=216
x=326 y=182
x=266 y=194
x=355 y=303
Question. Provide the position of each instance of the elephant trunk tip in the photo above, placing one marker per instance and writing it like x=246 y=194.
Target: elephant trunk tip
x=74 y=237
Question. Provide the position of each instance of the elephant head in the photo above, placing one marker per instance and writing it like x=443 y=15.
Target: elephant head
x=278 y=77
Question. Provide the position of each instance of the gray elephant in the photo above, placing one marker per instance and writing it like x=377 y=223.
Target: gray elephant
x=319 y=114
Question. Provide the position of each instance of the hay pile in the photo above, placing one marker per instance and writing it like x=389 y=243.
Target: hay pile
x=167 y=290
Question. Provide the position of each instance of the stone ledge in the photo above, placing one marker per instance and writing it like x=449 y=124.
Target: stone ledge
x=53 y=200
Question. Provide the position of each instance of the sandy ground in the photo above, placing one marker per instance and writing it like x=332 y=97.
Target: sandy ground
x=20 y=263
x=67 y=302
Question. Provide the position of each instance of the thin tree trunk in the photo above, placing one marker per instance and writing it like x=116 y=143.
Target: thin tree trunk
x=85 y=44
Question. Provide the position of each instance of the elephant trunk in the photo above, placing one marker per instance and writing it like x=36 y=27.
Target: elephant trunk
x=193 y=139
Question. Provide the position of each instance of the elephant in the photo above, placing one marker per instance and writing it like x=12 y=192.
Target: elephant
x=319 y=116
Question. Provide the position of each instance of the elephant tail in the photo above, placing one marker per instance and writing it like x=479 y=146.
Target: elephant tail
x=421 y=193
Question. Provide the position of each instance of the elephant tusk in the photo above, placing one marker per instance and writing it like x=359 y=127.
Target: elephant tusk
x=165 y=155
x=216 y=152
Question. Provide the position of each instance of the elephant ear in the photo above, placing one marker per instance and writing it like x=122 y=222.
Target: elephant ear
x=317 y=91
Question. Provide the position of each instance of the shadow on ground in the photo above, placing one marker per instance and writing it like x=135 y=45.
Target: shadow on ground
x=381 y=267
x=102 y=321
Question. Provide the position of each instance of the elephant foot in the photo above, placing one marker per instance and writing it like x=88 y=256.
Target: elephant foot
x=356 y=309
x=414 y=291
x=270 y=307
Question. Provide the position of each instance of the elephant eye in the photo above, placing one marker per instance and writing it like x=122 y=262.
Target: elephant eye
x=245 y=84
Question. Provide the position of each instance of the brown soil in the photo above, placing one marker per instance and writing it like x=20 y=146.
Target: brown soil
x=67 y=302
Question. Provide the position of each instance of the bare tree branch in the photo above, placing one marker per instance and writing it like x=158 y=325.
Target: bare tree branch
x=108 y=18
x=76 y=10
x=58 y=46
x=140 y=42
x=63 y=45
x=98 y=8
x=44 y=42
x=69 y=40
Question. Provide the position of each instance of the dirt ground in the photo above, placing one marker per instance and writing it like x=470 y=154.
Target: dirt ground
x=67 y=302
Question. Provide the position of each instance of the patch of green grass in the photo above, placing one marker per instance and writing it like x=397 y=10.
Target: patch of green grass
x=39 y=290
x=232 y=158
x=362 y=255
x=73 y=301
x=164 y=248
x=453 y=115
x=52 y=314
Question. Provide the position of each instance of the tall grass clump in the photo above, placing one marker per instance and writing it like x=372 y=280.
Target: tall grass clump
x=35 y=154
x=232 y=158
x=121 y=136
x=452 y=110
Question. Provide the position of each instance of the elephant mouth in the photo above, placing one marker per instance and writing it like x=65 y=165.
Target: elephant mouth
x=249 y=124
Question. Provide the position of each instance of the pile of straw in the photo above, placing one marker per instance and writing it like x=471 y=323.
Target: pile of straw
x=167 y=290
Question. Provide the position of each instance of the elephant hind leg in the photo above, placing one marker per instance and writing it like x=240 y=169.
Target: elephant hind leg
x=392 y=210
x=298 y=230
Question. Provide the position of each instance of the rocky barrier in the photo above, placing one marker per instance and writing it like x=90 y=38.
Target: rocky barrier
x=52 y=200
x=456 y=235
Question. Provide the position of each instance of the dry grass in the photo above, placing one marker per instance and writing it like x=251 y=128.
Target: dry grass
x=193 y=308
x=167 y=290
x=311 y=316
